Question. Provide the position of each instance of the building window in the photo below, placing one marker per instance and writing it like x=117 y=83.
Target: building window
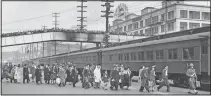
x=154 y=30
x=159 y=54
x=125 y=28
x=141 y=32
x=188 y=53
x=162 y=28
x=206 y=15
x=171 y=15
x=130 y=27
x=172 y=54
x=140 y=55
x=163 y=16
x=110 y=57
x=183 y=14
x=204 y=25
x=147 y=21
x=141 y=24
x=171 y=26
x=194 y=14
x=150 y=55
x=194 y=25
x=183 y=25
x=135 y=25
x=154 y=19
x=204 y=49
x=147 y=31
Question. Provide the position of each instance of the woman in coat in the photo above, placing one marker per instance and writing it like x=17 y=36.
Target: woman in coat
x=97 y=75
x=38 y=74
x=62 y=75
x=68 y=72
x=74 y=75
x=191 y=73
x=152 y=79
x=53 y=74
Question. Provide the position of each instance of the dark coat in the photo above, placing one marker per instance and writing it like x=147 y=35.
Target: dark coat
x=38 y=74
x=115 y=74
x=26 y=71
x=46 y=73
x=74 y=75
x=68 y=79
x=105 y=78
x=191 y=73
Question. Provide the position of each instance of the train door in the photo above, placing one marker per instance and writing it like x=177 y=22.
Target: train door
x=99 y=57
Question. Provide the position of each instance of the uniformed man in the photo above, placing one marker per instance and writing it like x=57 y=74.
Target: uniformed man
x=164 y=79
x=144 y=80
x=152 y=78
x=191 y=73
x=140 y=72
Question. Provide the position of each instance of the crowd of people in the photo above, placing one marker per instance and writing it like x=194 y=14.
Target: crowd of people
x=91 y=76
x=68 y=30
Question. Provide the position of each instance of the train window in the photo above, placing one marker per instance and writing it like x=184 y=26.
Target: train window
x=110 y=57
x=150 y=55
x=140 y=55
x=86 y=58
x=172 y=54
x=204 y=49
x=126 y=55
x=94 y=58
x=159 y=54
x=120 y=57
x=188 y=53
x=133 y=56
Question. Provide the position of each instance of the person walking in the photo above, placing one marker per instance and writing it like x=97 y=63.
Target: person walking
x=164 y=80
x=192 y=77
x=140 y=74
x=74 y=75
x=25 y=73
x=38 y=75
x=144 y=82
x=152 y=79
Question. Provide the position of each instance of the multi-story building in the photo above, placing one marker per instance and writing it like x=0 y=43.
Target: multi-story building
x=152 y=21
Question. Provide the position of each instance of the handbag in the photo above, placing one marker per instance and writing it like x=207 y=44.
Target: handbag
x=30 y=75
x=58 y=80
x=198 y=84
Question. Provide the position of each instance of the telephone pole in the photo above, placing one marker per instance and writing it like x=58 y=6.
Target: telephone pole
x=55 y=15
x=55 y=27
x=107 y=12
x=44 y=28
x=82 y=18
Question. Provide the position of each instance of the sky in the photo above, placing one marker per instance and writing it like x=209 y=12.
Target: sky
x=20 y=15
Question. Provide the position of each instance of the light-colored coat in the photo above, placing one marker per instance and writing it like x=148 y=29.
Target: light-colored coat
x=97 y=74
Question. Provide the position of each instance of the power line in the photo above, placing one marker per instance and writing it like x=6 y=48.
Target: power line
x=18 y=21
x=56 y=21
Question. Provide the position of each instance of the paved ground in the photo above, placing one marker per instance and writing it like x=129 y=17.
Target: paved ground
x=33 y=88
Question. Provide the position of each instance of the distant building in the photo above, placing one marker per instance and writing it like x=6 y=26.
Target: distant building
x=152 y=21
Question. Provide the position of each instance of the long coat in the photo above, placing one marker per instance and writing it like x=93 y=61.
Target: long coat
x=38 y=74
x=191 y=73
x=74 y=75
x=26 y=72
x=32 y=71
x=62 y=74
x=53 y=73
x=46 y=73
x=97 y=75
x=17 y=74
x=144 y=77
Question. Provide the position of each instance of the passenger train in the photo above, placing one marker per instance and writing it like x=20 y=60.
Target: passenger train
x=175 y=50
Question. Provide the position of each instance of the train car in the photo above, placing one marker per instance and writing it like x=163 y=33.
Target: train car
x=175 y=50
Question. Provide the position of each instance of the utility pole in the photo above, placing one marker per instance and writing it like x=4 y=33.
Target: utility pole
x=44 y=28
x=107 y=12
x=55 y=27
x=82 y=18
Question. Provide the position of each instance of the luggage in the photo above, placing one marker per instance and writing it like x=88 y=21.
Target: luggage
x=198 y=84
x=58 y=81
x=30 y=75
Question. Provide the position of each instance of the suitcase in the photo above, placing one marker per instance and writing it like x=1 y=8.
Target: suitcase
x=198 y=84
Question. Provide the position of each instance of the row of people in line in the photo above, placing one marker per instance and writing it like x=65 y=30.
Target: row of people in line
x=91 y=76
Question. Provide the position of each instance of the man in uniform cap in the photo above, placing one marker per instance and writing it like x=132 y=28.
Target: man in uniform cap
x=191 y=73
x=140 y=73
x=164 y=79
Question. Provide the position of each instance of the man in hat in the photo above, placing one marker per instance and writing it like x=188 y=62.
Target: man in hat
x=144 y=83
x=25 y=73
x=164 y=79
x=114 y=77
x=152 y=78
x=191 y=73
x=38 y=74
x=74 y=74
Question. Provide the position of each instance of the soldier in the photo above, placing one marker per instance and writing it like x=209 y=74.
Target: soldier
x=152 y=78
x=191 y=73
x=164 y=79
x=144 y=77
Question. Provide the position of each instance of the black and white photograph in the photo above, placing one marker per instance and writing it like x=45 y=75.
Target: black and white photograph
x=105 y=47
